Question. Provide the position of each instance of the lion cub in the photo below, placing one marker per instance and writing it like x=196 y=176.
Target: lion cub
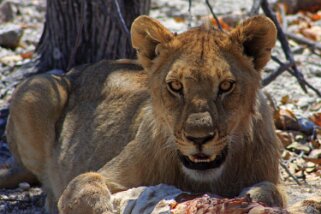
x=190 y=113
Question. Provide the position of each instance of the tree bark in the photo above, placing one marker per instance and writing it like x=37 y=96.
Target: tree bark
x=86 y=31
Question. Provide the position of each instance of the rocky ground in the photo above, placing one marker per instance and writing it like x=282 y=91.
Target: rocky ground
x=297 y=114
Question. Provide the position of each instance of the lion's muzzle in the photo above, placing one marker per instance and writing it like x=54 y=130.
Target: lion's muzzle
x=204 y=165
x=199 y=128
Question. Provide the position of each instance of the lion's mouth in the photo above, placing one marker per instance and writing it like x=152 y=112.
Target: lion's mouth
x=203 y=162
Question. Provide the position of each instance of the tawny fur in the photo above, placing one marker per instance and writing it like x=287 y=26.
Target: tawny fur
x=120 y=119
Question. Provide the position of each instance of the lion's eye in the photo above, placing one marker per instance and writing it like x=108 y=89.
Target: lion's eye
x=226 y=86
x=175 y=86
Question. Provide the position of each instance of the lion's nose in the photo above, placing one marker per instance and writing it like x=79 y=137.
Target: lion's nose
x=199 y=128
x=200 y=140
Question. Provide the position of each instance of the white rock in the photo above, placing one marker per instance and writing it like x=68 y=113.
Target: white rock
x=24 y=186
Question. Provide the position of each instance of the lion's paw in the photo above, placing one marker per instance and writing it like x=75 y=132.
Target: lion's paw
x=267 y=193
x=88 y=194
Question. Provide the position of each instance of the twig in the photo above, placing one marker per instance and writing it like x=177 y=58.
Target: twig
x=214 y=16
x=189 y=13
x=284 y=43
x=284 y=21
x=292 y=73
x=300 y=39
x=267 y=80
x=255 y=7
x=290 y=174
x=308 y=85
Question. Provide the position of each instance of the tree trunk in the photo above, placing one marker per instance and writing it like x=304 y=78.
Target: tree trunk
x=86 y=31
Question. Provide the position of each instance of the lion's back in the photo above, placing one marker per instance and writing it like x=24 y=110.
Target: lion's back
x=100 y=117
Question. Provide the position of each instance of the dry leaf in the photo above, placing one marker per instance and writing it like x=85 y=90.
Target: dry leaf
x=224 y=25
x=285 y=119
x=316 y=118
x=179 y=19
x=285 y=99
x=9 y=60
x=233 y=19
x=315 y=106
x=313 y=33
x=286 y=138
x=315 y=16
x=313 y=160
x=298 y=148
x=316 y=143
x=27 y=55
x=286 y=155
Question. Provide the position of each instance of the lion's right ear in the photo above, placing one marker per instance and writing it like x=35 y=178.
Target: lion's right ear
x=257 y=36
x=146 y=34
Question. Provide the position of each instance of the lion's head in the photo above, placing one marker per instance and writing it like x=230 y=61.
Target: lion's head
x=204 y=85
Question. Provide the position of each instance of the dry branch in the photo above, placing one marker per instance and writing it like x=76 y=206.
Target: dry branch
x=255 y=7
x=214 y=16
x=288 y=54
x=289 y=173
x=284 y=43
x=292 y=73
x=276 y=73
x=290 y=65
x=300 y=39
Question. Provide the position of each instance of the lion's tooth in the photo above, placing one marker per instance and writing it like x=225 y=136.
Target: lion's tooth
x=201 y=160
x=195 y=160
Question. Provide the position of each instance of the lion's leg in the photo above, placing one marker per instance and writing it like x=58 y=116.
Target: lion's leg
x=15 y=174
x=266 y=192
x=35 y=108
x=51 y=202
x=88 y=193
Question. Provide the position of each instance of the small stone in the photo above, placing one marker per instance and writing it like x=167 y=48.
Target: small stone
x=8 y=11
x=286 y=155
x=306 y=126
x=293 y=167
x=10 y=35
x=3 y=208
x=311 y=165
x=298 y=148
x=299 y=137
x=3 y=197
x=310 y=170
x=24 y=186
x=12 y=197
x=315 y=153
x=305 y=101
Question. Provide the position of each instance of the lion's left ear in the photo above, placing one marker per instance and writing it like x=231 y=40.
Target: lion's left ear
x=257 y=36
x=146 y=34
